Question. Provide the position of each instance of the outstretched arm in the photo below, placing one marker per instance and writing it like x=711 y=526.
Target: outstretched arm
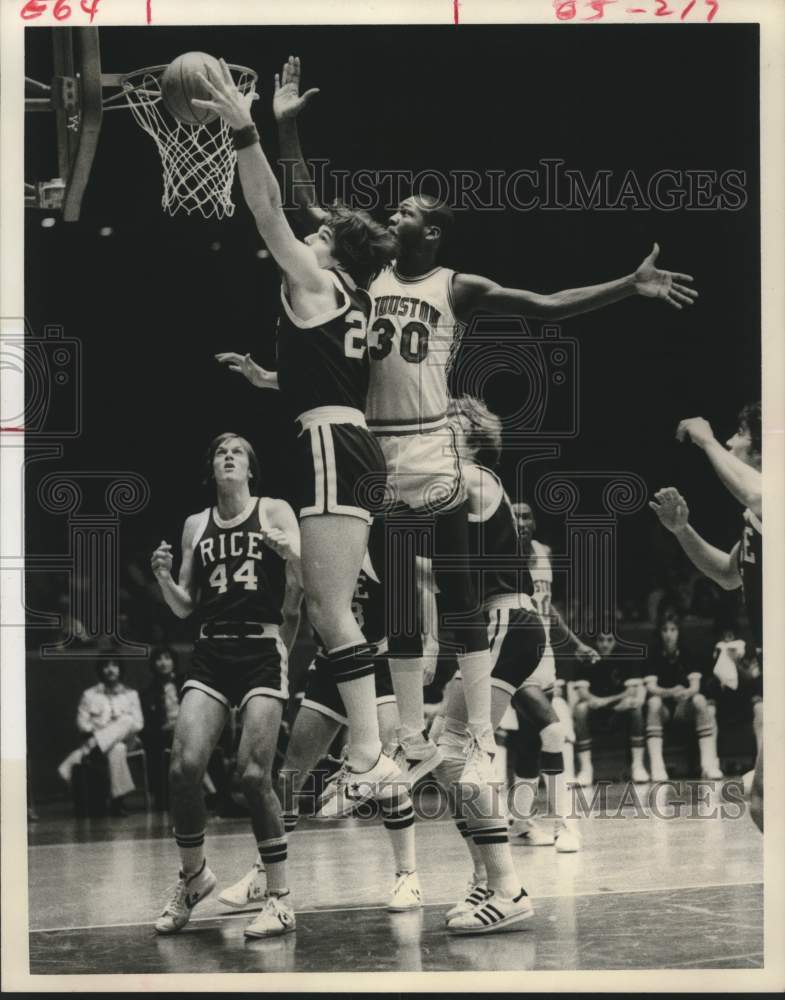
x=287 y=105
x=179 y=596
x=742 y=480
x=722 y=567
x=562 y=633
x=245 y=365
x=260 y=186
x=475 y=294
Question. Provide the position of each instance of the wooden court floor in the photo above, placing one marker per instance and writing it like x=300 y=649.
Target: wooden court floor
x=644 y=893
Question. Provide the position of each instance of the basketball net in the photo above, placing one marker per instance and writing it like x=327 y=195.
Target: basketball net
x=198 y=160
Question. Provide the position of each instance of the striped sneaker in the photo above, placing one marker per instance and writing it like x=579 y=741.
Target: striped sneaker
x=493 y=914
x=249 y=891
x=275 y=918
x=351 y=788
x=190 y=890
x=407 y=894
x=476 y=891
x=416 y=756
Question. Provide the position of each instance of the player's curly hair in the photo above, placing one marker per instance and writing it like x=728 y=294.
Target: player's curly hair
x=484 y=432
x=253 y=462
x=750 y=419
x=362 y=246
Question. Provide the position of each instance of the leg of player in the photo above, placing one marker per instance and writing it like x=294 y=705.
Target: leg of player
x=310 y=739
x=756 y=794
x=696 y=710
x=494 y=899
x=522 y=796
x=655 y=717
x=333 y=547
x=198 y=728
x=261 y=722
x=564 y=714
x=455 y=585
x=582 y=719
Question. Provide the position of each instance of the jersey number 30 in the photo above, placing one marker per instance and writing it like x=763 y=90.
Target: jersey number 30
x=245 y=575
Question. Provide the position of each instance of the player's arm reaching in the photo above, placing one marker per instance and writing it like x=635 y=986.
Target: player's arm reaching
x=263 y=196
x=474 y=294
x=722 y=567
x=561 y=633
x=299 y=187
x=742 y=480
x=179 y=596
x=245 y=365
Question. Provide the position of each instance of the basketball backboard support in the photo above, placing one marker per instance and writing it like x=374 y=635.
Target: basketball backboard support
x=74 y=95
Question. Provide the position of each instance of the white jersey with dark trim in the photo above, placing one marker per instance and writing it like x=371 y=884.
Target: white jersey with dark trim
x=542 y=580
x=412 y=340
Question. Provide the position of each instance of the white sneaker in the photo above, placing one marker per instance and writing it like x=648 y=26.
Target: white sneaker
x=585 y=778
x=494 y=913
x=350 y=788
x=249 y=891
x=476 y=891
x=275 y=918
x=190 y=890
x=529 y=833
x=568 y=840
x=639 y=774
x=480 y=751
x=415 y=756
x=407 y=894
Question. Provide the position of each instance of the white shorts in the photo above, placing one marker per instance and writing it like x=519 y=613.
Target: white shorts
x=423 y=470
x=544 y=675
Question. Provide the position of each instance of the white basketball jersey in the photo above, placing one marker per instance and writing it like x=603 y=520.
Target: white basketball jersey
x=542 y=578
x=412 y=339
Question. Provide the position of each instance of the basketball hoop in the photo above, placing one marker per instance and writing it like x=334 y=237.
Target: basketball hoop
x=198 y=160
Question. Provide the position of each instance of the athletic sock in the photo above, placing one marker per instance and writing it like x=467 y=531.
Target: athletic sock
x=290 y=820
x=191 y=848
x=407 y=678
x=475 y=671
x=352 y=667
x=479 y=873
x=399 y=824
x=492 y=842
x=273 y=857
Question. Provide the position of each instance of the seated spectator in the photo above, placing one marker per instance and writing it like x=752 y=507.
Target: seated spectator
x=673 y=683
x=110 y=715
x=160 y=706
x=611 y=696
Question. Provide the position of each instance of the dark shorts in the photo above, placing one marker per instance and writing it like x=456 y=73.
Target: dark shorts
x=342 y=471
x=234 y=670
x=516 y=639
x=322 y=694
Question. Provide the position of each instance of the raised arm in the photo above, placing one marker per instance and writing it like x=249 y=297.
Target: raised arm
x=740 y=479
x=561 y=633
x=260 y=186
x=179 y=596
x=298 y=184
x=474 y=294
x=722 y=567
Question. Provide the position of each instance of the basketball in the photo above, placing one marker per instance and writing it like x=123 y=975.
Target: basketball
x=180 y=84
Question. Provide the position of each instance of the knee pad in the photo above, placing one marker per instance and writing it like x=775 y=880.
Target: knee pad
x=553 y=738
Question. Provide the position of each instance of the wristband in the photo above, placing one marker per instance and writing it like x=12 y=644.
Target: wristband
x=244 y=137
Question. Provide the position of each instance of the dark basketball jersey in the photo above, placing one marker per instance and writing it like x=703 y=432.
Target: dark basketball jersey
x=239 y=578
x=324 y=362
x=671 y=669
x=493 y=551
x=608 y=677
x=751 y=571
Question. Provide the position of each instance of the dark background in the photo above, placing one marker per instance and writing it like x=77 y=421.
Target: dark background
x=152 y=303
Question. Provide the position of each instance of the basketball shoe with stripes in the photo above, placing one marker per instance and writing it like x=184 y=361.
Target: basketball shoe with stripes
x=476 y=892
x=190 y=890
x=275 y=918
x=493 y=914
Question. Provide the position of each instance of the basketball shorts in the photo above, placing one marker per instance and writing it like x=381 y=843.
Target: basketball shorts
x=516 y=639
x=544 y=675
x=322 y=694
x=423 y=470
x=235 y=670
x=342 y=469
